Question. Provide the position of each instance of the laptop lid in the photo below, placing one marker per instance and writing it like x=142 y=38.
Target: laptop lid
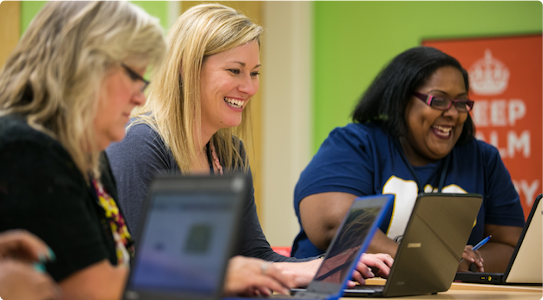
x=187 y=238
x=432 y=244
x=351 y=240
x=525 y=265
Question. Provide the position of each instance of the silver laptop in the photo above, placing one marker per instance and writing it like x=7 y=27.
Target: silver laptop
x=525 y=265
x=431 y=247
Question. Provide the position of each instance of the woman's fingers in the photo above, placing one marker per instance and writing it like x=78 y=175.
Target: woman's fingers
x=379 y=263
x=370 y=265
x=275 y=280
x=351 y=283
x=249 y=276
x=301 y=272
x=267 y=285
x=286 y=280
x=363 y=270
x=471 y=257
x=23 y=245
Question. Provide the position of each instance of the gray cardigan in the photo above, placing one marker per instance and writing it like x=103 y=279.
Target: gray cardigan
x=137 y=158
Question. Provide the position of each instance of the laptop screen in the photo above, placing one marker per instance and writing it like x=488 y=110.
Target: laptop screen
x=526 y=264
x=183 y=243
x=350 y=242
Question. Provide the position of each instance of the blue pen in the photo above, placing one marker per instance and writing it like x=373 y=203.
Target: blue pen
x=481 y=243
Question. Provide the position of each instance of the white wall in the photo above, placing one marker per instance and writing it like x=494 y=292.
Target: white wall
x=287 y=113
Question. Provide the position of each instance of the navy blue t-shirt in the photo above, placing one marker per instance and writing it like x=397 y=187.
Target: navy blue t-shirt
x=361 y=159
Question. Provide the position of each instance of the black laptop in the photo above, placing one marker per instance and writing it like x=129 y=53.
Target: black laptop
x=431 y=247
x=525 y=265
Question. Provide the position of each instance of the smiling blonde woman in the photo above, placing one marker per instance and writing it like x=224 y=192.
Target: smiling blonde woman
x=196 y=117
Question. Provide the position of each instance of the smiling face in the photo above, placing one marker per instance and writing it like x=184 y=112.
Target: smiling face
x=120 y=93
x=432 y=133
x=228 y=81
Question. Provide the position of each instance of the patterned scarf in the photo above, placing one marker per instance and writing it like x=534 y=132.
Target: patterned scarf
x=123 y=241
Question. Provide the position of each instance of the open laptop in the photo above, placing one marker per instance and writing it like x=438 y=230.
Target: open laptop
x=350 y=242
x=187 y=237
x=431 y=247
x=189 y=231
x=525 y=265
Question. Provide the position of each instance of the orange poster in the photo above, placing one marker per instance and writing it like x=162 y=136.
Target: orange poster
x=506 y=84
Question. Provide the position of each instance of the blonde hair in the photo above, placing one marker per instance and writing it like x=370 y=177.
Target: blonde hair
x=54 y=75
x=174 y=108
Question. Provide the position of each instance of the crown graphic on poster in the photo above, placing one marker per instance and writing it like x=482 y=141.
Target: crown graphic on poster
x=488 y=76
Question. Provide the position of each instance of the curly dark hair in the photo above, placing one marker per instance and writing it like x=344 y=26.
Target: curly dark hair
x=385 y=101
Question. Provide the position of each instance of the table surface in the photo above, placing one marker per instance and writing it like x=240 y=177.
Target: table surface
x=474 y=291
x=473 y=295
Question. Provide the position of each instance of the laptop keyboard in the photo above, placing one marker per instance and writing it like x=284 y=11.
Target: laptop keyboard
x=372 y=288
x=299 y=295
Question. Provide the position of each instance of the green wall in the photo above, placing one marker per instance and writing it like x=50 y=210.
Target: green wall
x=158 y=9
x=355 y=40
x=28 y=10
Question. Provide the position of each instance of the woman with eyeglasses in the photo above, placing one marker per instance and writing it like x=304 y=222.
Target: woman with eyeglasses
x=411 y=132
x=66 y=92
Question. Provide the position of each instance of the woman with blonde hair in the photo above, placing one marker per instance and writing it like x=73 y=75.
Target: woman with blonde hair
x=197 y=114
x=66 y=93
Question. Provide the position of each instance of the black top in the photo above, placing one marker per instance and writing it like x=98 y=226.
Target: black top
x=42 y=191
x=136 y=159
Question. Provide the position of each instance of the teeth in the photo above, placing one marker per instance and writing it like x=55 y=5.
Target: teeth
x=233 y=102
x=443 y=129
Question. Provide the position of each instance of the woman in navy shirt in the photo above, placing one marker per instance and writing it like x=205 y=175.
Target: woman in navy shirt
x=412 y=132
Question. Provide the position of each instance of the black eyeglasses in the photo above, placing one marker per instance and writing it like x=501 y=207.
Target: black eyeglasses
x=441 y=103
x=135 y=77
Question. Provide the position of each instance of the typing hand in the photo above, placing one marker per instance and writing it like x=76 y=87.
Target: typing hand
x=371 y=265
x=252 y=277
